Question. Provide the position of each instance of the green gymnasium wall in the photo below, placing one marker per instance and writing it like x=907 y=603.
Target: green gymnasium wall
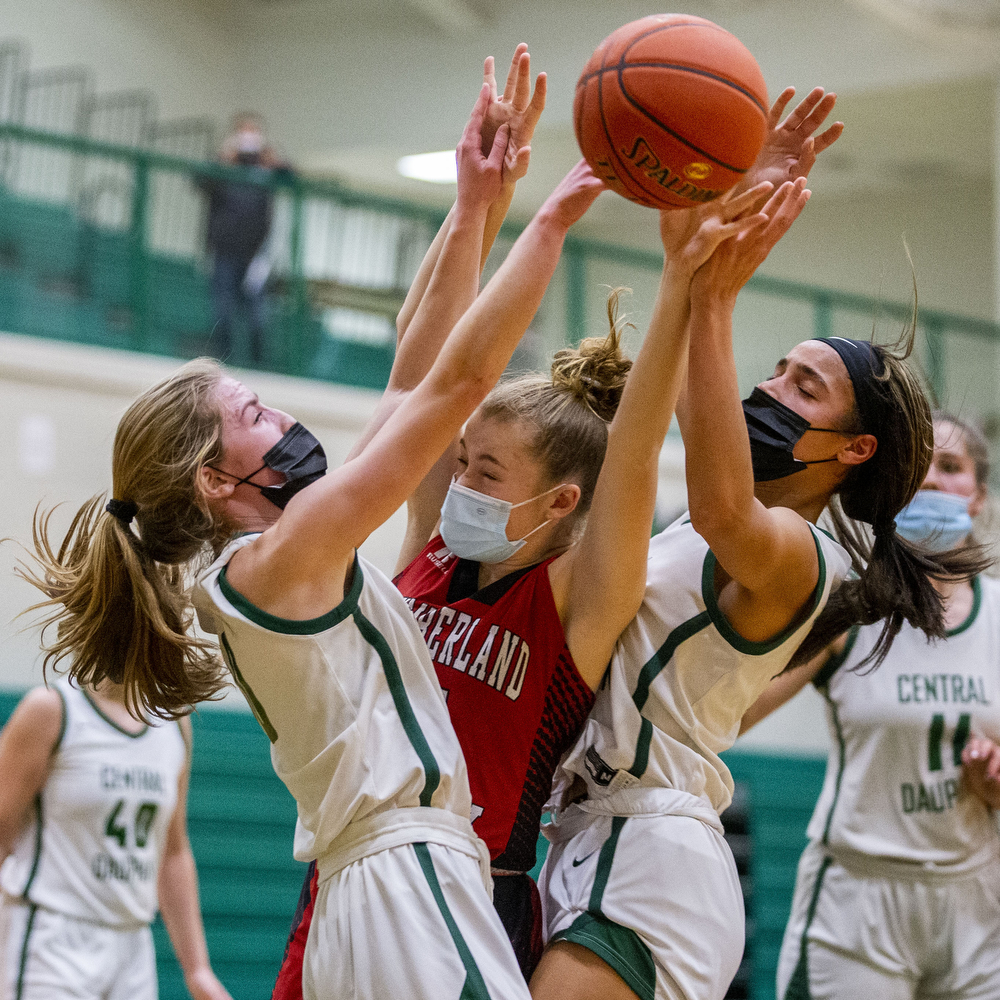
x=241 y=819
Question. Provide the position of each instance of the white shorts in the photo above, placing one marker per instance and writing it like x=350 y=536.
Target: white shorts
x=49 y=956
x=656 y=897
x=854 y=934
x=412 y=921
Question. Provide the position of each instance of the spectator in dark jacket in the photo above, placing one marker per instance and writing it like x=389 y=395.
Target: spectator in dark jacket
x=239 y=220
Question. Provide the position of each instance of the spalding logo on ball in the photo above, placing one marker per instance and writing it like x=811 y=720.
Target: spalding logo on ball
x=671 y=111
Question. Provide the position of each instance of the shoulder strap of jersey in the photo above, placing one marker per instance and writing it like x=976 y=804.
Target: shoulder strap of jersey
x=836 y=660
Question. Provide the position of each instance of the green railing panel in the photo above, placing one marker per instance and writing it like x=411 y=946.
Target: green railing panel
x=102 y=243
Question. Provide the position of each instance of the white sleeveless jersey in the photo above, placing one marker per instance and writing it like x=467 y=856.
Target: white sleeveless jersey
x=681 y=678
x=349 y=700
x=93 y=847
x=893 y=782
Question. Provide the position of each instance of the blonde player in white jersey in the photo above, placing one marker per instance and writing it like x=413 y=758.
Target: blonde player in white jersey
x=640 y=892
x=94 y=836
x=323 y=646
x=898 y=892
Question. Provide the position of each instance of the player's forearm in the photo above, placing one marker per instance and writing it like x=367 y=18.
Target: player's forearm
x=181 y=911
x=422 y=278
x=494 y=221
x=719 y=472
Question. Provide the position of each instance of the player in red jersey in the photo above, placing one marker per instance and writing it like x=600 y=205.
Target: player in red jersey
x=521 y=630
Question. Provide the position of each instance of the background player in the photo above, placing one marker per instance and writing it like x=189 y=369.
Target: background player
x=898 y=892
x=93 y=829
x=640 y=892
x=322 y=645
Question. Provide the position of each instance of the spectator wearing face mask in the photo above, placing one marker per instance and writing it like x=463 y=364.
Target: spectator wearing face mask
x=239 y=220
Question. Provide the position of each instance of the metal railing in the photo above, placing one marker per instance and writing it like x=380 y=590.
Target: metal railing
x=103 y=242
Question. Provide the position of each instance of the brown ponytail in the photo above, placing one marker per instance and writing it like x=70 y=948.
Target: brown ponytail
x=893 y=577
x=570 y=411
x=117 y=598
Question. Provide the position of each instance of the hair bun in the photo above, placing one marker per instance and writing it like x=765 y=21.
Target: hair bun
x=595 y=372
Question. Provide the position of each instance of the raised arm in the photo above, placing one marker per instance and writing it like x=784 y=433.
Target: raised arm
x=607 y=570
x=303 y=555
x=448 y=280
x=768 y=554
x=27 y=743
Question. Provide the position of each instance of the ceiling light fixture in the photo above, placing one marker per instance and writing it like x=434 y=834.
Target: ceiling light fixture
x=435 y=168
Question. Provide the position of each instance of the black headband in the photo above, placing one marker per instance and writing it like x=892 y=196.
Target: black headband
x=863 y=366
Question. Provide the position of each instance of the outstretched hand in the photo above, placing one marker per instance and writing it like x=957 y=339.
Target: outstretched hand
x=981 y=770
x=573 y=195
x=790 y=149
x=690 y=235
x=734 y=261
x=517 y=108
x=480 y=175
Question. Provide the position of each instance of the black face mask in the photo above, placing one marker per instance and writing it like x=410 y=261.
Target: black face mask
x=298 y=456
x=774 y=431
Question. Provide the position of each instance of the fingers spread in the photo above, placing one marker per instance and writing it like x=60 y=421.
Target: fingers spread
x=489 y=77
x=804 y=109
x=778 y=108
x=515 y=71
x=537 y=105
x=826 y=139
x=522 y=86
x=746 y=201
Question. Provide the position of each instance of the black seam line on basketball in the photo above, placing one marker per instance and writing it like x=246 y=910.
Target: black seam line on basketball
x=473 y=977
x=670 y=131
x=625 y=175
x=22 y=965
x=604 y=861
x=798 y=984
x=584 y=80
x=649 y=673
x=687 y=24
x=401 y=700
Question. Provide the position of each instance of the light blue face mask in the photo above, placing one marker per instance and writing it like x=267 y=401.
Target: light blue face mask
x=937 y=521
x=474 y=525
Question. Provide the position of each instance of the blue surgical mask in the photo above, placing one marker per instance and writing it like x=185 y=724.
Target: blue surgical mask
x=474 y=525
x=937 y=521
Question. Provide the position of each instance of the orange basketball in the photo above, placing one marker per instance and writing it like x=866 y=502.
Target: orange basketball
x=671 y=110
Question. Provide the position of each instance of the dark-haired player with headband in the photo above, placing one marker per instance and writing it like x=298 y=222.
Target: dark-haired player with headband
x=904 y=832
x=640 y=892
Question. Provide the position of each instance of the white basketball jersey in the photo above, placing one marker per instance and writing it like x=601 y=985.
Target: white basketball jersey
x=893 y=782
x=681 y=678
x=93 y=847
x=349 y=700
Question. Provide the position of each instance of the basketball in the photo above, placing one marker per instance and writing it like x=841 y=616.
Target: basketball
x=671 y=110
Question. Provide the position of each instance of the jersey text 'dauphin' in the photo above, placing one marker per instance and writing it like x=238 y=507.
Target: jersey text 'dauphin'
x=893 y=782
x=681 y=678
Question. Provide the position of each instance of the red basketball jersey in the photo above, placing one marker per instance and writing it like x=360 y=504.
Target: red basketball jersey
x=515 y=697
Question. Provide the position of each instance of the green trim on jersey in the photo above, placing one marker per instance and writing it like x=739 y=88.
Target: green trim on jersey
x=255 y=706
x=604 y=861
x=375 y=639
x=63 y=721
x=39 y=816
x=730 y=634
x=648 y=674
x=291 y=626
x=22 y=964
x=798 y=985
x=619 y=946
x=841 y=763
x=977 y=601
x=111 y=722
x=474 y=987
x=836 y=661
